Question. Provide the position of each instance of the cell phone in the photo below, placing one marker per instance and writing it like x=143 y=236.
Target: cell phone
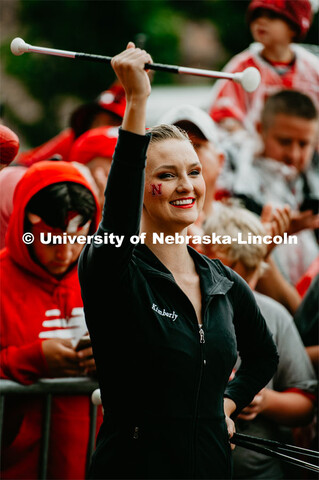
x=310 y=203
x=84 y=342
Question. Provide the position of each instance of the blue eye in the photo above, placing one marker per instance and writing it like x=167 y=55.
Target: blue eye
x=195 y=172
x=165 y=175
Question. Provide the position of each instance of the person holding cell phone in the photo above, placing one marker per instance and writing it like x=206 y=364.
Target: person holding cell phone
x=41 y=315
x=165 y=322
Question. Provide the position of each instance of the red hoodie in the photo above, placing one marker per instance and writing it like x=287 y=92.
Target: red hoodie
x=35 y=306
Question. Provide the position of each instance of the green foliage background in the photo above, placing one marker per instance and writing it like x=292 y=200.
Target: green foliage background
x=104 y=27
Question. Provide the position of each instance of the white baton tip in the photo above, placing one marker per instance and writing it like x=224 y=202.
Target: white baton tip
x=18 y=46
x=96 y=397
x=249 y=79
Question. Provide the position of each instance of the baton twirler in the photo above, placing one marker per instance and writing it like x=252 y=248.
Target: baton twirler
x=249 y=79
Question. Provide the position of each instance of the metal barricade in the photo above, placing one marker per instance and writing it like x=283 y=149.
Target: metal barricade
x=48 y=388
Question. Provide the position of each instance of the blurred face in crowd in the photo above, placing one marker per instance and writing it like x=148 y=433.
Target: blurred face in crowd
x=56 y=259
x=290 y=140
x=174 y=185
x=270 y=29
x=211 y=160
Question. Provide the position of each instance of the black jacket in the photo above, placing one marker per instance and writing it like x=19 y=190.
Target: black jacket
x=162 y=380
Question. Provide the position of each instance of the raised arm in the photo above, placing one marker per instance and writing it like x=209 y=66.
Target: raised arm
x=125 y=187
x=129 y=68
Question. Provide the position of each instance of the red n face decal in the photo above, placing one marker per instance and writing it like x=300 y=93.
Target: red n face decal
x=156 y=189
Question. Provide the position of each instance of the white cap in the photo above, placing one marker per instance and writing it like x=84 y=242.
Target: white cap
x=194 y=115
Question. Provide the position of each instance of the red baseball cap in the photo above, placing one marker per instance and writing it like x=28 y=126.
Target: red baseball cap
x=98 y=142
x=297 y=12
x=112 y=100
x=9 y=145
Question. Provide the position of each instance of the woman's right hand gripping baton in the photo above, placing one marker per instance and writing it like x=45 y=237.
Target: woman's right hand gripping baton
x=129 y=68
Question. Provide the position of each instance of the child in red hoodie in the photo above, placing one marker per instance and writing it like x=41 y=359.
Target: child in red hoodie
x=41 y=314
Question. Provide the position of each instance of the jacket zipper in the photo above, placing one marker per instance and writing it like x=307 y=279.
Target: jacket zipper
x=201 y=335
x=202 y=363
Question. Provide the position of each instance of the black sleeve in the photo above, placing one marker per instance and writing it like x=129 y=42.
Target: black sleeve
x=122 y=208
x=257 y=350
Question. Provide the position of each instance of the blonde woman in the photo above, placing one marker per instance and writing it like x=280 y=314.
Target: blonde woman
x=165 y=321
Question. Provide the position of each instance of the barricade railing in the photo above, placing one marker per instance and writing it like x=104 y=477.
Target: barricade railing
x=48 y=388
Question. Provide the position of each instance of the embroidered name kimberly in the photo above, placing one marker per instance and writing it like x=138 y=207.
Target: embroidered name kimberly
x=164 y=313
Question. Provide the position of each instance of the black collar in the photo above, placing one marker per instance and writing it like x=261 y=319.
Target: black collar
x=213 y=275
